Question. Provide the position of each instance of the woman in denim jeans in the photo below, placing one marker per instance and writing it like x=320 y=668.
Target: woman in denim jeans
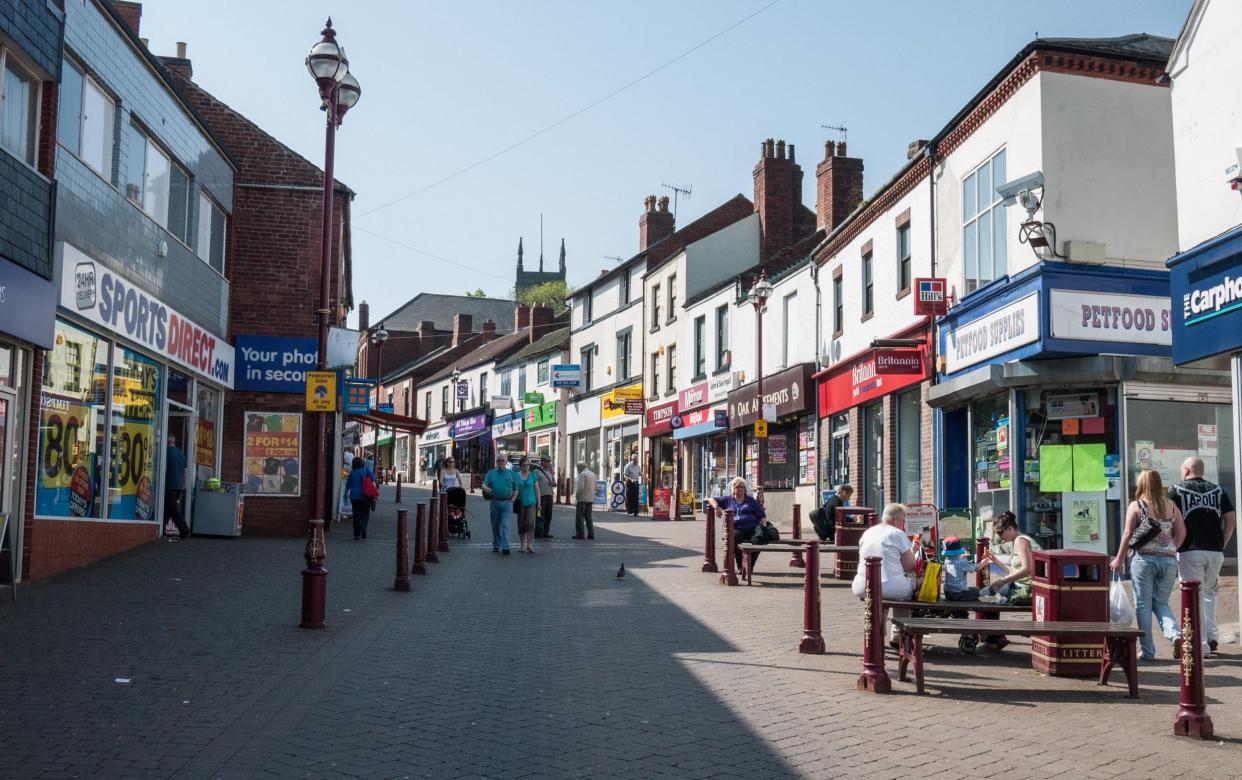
x=1153 y=571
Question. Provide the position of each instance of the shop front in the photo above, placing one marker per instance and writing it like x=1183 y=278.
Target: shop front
x=125 y=379
x=661 y=468
x=433 y=447
x=857 y=397
x=621 y=414
x=1207 y=332
x=703 y=436
x=507 y=433
x=1056 y=390
x=540 y=424
x=472 y=443
x=789 y=451
x=582 y=423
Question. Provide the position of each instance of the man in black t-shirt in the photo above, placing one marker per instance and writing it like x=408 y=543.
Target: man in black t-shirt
x=824 y=520
x=1210 y=519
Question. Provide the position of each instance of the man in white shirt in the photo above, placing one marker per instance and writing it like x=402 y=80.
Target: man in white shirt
x=584 y=497
x=632 y=476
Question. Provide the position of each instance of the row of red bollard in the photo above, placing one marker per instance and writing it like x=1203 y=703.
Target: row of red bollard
x=430 y=537
x=709 y=544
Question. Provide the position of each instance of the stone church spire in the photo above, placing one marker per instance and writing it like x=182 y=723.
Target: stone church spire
x=519 y=254
x=562 y=257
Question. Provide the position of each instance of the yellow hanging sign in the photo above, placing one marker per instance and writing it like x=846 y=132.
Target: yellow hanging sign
x=321 y=391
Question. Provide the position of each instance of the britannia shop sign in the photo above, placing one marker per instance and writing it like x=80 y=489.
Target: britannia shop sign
x=875 y=374
x=104 y=298
x=1005 y=329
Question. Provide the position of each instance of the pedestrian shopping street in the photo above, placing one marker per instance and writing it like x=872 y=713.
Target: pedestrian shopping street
x=184 y=659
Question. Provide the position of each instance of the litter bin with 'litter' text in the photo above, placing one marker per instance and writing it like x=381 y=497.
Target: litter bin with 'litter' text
x=1069 y=585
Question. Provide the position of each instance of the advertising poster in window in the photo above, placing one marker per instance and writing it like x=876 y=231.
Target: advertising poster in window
x=273 y=453
x=205 y=443
x=1082 y=520
x=132 y=451
x=67 y=463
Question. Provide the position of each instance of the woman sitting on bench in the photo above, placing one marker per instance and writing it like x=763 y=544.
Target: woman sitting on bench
x=1016 y=584
x=748 y=515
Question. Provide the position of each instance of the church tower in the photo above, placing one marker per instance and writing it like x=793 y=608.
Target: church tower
x=528 y=279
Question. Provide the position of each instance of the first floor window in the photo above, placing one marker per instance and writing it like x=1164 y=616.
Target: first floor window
x=983 y=223
x=19 y=119
x=211 y=227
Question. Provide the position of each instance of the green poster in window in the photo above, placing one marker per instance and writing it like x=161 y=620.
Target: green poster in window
x=1056 y=468
x=1089 y=468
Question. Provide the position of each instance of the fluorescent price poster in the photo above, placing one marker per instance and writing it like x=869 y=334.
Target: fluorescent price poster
x=132 y=449
x=67 y=479
x=273 y=454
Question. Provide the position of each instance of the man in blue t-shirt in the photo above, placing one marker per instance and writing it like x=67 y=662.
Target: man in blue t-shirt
x=174 y=487
x=500 y=487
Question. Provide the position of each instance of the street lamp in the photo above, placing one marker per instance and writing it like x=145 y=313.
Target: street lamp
x=378 y=337
x=759 y=294
x=339 y=91
x=456 y=393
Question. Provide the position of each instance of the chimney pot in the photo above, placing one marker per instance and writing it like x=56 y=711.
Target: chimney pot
x=780 y=149
x=663 y=203
x=791 y=153
x=769 y=147
x=181 y=48
x=841 y=149
x=830 y=149
x=146 y=42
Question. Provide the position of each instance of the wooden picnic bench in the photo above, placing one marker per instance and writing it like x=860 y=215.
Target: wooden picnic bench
x=1120 y=641
x=968 y=642
x=748 y=563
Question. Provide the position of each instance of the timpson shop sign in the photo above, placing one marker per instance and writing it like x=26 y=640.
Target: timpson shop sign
x=790 y=391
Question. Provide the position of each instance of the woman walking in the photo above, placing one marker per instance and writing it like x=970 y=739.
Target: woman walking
x=448 y=475
x=358 y=499
x=525 y=504
x=1154 y=530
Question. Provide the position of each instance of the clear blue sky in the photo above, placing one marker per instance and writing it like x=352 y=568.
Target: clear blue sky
x=445 y=85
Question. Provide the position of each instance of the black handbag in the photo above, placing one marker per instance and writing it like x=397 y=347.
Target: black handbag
x=1147 y=529
x=764 y=534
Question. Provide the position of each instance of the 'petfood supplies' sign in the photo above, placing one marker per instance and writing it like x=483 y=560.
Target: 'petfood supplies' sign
x=106 y=299
x=1007 y=328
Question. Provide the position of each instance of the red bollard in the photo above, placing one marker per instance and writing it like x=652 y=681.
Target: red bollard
x=812 y=637
x=730 y=574
x=398 y=501
x=874 y=677
x=795 y=560
x=420 y=540
x=443 y=534
x=981 y=549
x=402 y=582
x=709 y=541
x=433 y=528
x=1192 y=719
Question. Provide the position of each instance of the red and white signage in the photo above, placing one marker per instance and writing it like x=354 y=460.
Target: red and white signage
x=873 y=375
x=693 y=397
x=1099 y=316
x=930 y=296
x=659 y=419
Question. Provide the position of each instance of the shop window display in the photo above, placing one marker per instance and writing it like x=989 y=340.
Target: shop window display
x=208 y=410
x=909 y=447
x=990 y=433
x=873 y=456
x=134 y=444
x=72 y=412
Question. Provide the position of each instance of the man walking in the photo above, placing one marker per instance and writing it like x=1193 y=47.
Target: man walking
x=543 y=484
x=1210 y=520
x=632 y=476
x=174 y=487
x=500 y=487
x=584 y=497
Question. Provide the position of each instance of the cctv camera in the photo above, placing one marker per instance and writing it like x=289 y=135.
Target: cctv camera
x=1010 y=190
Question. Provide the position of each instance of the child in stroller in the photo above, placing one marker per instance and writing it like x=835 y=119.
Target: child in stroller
x=455 y=497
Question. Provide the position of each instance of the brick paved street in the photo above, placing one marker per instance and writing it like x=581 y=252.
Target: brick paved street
x=531 y=666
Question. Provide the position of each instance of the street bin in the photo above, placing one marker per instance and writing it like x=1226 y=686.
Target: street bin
x=851 y=522
x=1069 y=585
x=218 y=510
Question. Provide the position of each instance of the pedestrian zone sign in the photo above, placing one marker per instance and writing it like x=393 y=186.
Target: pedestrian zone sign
x=321 y=391
x=761 y=429
x=567 y=375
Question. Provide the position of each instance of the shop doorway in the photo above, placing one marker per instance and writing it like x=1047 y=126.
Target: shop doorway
x=178 y=436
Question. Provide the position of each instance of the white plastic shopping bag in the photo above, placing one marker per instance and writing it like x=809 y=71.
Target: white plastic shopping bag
x=1120 y=608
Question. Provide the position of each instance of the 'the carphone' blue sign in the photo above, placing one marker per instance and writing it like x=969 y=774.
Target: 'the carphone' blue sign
x=274 y=364
x=1206 y=286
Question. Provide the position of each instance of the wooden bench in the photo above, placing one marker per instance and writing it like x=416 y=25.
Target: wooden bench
x=1120 y=641
x=748 y=562
x=968 y=642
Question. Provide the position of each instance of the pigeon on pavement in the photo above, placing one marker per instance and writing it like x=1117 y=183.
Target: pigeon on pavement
x=621 y=571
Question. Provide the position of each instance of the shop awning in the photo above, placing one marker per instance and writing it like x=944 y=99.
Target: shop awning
x=469 y=436
x=702 y=429
x=395 y=421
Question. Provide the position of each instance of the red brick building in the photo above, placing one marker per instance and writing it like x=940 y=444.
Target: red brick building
x=274 y=261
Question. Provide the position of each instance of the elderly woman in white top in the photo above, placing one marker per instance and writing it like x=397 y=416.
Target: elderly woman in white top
x=888 y=542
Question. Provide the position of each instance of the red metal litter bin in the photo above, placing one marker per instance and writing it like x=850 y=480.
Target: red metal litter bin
x=851 y=522
x=1069 y=585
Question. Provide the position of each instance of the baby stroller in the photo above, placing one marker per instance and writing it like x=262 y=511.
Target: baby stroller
x=455 y=497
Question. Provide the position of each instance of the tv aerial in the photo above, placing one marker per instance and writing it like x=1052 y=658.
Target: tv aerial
x=676 y=192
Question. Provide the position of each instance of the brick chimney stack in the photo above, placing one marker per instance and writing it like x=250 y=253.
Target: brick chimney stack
x=180 y=64
x=778 y=198
x=489 y=330
x=915 y=146
x=130 y=12
x=838 y=186
x=462 y=324
x=540 y=323
x=656 y=223
x=364 y=316
x=521 y=318
x=426 y=329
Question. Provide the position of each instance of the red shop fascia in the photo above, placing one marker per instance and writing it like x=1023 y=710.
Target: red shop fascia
x=874 y=373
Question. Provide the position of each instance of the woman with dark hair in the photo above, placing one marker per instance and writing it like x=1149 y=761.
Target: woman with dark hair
x=357 y=498
x=1153 y=565
x=1015 y=584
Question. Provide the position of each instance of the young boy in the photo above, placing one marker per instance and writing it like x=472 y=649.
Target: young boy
x=956 y=567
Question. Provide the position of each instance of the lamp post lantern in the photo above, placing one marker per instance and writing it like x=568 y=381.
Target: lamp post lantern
x=378 y=337
x=759 y=294
x=338 y=92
